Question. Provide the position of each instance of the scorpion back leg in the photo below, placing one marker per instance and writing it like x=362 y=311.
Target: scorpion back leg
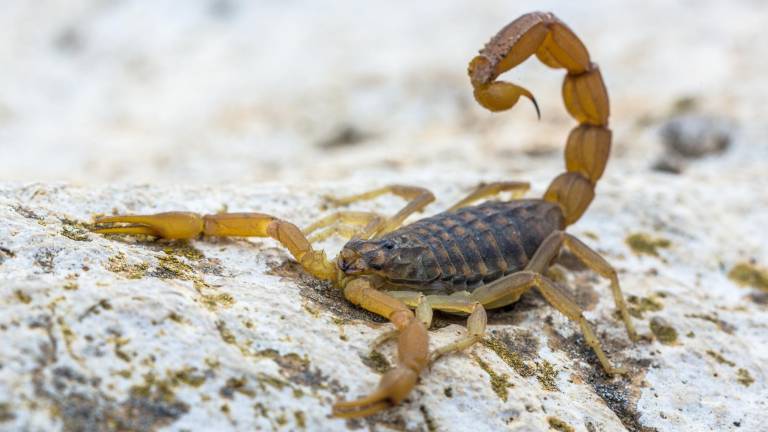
x=186 y=225
x=509 y=289
x=418 y=198
x=412 y=350
x=488 y=190
x=550 y=248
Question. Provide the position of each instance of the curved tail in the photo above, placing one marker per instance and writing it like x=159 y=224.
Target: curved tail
x=584 y=94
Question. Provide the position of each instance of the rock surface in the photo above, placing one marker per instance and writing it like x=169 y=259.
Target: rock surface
x=110 y=332
x=133 y=107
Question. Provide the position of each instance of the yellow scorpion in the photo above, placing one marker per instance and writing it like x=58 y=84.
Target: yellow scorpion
x=467 y=259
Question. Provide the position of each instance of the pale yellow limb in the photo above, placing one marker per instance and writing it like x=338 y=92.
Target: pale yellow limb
x=489 y=190
x=186 y=225
x=418 y=198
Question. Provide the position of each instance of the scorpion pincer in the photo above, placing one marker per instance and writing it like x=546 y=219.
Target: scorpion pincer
x=467 y=259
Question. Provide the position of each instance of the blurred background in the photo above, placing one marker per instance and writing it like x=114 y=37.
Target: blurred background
x=228 y=91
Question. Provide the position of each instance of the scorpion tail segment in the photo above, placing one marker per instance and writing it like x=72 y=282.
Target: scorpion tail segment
x=412 y=349
x=584 y=93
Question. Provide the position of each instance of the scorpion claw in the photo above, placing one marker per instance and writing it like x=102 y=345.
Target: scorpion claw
x=394 y=387
x=170 y=225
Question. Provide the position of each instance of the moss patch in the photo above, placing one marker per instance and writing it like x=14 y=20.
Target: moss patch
x=22 y=296
x=663 y=331
x=119 y=264
x=499 y=383
x=559 y=425
x=376 y=361
x=546 y=374
x=720 y=359
x=638 y=306
x=744 y=378
x=643 y=244
x=748 y=274
x=6 y=413
x=214 y=301
x=75 y=230
x=511 y=358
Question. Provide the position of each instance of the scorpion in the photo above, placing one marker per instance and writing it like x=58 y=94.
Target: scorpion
x=462 y=261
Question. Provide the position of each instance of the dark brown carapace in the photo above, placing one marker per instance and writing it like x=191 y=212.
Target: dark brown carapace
x=457 y=250
x=467 y=259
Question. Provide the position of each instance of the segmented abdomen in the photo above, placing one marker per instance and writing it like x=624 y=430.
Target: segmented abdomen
x=482 y=243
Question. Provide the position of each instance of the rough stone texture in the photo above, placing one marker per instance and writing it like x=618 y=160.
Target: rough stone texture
x=109 y=332
x=187 y=105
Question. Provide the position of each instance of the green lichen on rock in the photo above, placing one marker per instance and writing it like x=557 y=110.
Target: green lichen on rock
x=75 y=230
x=511 y=358
x=22 y=296
x=376 y=361
x=214 y=301
x=664 y=332
x=226 y=335
x=638 y=306
x=499 y=383
x=236 y=385
x=184 y=249
x=118 y=264
x=744 y=378
x=748 y=274
x=720 y=359
x=546 y=374
x=171 y=267
x=644 y=244
x=559 y=425
x=6 y=412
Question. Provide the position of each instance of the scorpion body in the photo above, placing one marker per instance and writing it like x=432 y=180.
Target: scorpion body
x=463 y=249
x=467 y=259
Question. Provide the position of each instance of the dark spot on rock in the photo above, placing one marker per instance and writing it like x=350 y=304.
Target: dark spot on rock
x=6 y=412
x=749 y=274
x=695 y=136
x=44 y=257
x=664 y=332
x=345 y=136
x=5 y=253
x=559 y=425
x=69 y=41
x=714 y=319
x=222 y=9
x=376 y=361
x=27 y=213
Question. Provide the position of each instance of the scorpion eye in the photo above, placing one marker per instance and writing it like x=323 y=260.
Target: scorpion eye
x=388 y=245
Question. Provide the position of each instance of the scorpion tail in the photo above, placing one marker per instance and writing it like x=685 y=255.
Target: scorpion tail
x=584 y=94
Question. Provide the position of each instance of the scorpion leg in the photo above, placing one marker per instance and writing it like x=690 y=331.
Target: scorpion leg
x=417 y=197
x=457 y=303
x=186 y=225
x=509 y=289
x=412 y=349
x=518 y=189
x=339 y=223
x=551 y=247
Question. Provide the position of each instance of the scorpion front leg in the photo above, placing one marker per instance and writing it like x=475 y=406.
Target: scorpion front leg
x=412 y=350
x=418 y=198
x=186 y=225
x=344 y=223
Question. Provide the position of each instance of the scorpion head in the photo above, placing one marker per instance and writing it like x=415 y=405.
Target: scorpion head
x=396 y=260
